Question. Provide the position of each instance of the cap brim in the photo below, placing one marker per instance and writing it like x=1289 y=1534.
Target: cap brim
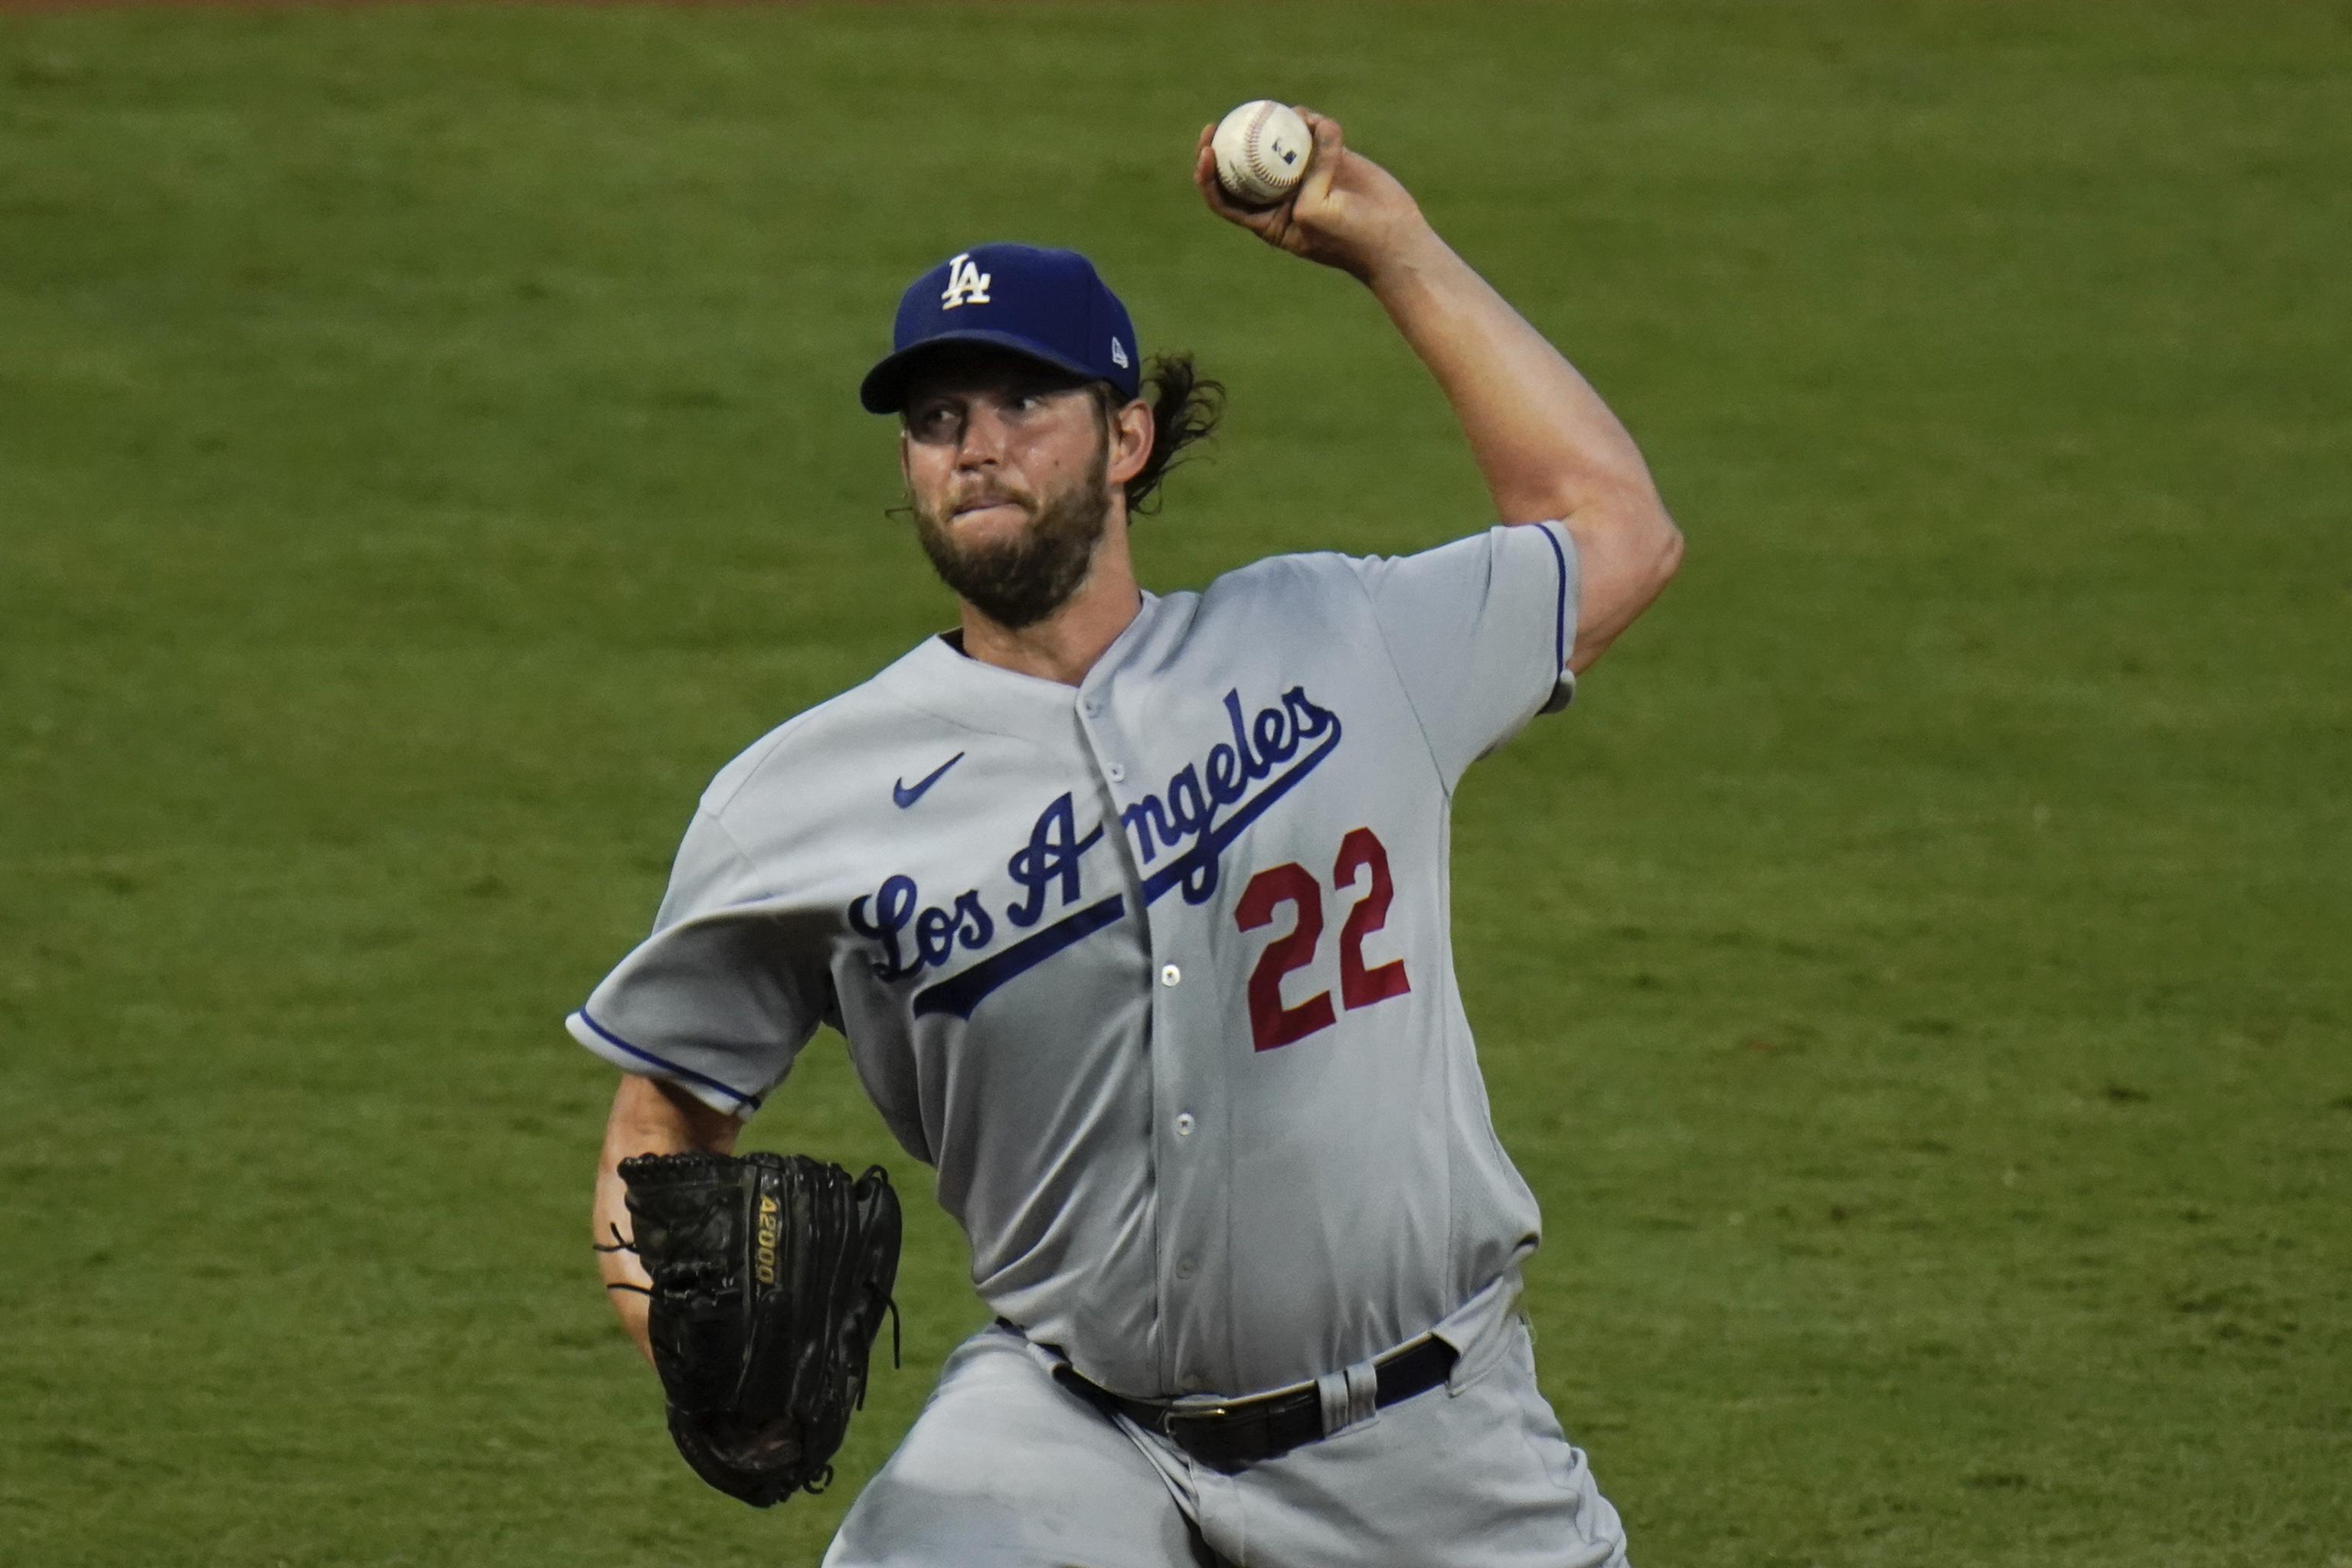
x=884 y=390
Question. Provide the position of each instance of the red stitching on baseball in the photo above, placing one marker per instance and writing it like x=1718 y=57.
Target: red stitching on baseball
x=1249 y=143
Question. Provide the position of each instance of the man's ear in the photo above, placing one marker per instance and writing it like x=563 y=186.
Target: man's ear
x=1131 y=437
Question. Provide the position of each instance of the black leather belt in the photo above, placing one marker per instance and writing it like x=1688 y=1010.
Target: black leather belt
x=1226 y=1437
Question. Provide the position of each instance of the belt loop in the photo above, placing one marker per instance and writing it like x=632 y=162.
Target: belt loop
x=1333 y=1386
x=1363 y=1393
x=1350 y=1396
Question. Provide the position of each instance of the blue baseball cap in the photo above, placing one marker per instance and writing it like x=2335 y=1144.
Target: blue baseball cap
x=1049 y=305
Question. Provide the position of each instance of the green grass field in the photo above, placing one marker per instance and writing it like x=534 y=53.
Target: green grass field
x=1915 y=977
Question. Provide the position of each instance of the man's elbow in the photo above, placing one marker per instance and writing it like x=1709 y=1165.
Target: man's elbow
x=1665 y=545
x=1643 y=536
x=1628 y=554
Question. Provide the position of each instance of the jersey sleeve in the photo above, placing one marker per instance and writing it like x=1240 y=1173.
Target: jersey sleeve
x=1479 y=631
x=721 y=997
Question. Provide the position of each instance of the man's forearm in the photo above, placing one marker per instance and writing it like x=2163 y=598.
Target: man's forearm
x=649 y=1117
x=1547 y=444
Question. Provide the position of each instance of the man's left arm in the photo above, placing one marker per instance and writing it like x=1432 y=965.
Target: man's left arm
x=1547 y=444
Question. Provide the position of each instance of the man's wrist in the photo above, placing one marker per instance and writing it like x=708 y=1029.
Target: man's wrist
x=1406 y=263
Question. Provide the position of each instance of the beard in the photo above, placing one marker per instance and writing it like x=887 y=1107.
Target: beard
x=1018 y=582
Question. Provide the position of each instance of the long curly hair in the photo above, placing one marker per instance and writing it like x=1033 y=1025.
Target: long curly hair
x=1185 y=408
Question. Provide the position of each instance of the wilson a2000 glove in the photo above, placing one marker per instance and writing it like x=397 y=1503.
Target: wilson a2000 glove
x=770 y=1275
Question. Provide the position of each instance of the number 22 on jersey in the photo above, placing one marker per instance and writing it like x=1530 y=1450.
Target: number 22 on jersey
x=1271 y=1023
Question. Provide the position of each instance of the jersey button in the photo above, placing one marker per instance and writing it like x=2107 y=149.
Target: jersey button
x=1115 y=772
x=1185 y=1124
x=1184 y=1269
x=1170 y=975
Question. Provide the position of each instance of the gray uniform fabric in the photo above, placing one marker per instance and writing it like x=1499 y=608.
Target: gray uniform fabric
x=1006 y=1468
x=1156 y=972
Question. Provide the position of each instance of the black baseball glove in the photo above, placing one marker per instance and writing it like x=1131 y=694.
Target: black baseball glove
x=771 y=1276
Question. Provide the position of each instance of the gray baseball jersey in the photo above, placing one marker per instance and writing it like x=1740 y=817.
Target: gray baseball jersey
x=1155 y=971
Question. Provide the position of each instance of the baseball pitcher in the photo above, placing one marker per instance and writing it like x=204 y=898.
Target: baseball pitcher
x=1133 y=910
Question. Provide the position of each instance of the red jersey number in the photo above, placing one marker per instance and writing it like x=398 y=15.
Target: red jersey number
x=1360 y=986
x=1271 y=1023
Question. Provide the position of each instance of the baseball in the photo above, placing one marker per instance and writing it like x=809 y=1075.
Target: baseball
x=1262 y=149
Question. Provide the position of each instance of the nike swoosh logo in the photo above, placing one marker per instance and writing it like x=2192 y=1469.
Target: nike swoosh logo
x=905 y=796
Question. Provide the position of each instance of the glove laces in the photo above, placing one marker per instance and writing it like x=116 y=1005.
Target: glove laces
x=623 y=1243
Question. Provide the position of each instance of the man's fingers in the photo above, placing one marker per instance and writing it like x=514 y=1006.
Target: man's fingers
x=1331 y=145
x=1204 y=178
x=1213 y=192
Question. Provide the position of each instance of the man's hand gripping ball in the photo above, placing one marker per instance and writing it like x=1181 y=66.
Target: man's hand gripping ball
x=1347 y=212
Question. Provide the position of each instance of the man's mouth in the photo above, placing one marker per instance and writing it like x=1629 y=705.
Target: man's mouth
x=982 y=503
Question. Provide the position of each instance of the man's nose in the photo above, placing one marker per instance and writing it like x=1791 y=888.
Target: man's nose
x=984 y=438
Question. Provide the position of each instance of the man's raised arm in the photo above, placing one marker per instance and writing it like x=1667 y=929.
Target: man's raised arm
x=1547 y=444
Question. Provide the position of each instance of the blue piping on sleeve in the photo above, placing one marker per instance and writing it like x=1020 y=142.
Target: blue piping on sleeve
x=1559 y=622
x=671 y=1067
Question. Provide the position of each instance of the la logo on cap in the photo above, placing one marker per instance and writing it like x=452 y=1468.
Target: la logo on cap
x=967 y=284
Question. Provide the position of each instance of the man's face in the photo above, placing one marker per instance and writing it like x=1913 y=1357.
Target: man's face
x=1007 y=471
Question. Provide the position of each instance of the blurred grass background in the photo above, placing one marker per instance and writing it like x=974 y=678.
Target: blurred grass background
x=1914 y=978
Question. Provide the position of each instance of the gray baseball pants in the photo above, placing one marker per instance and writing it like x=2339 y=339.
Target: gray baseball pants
x=1006 y=1469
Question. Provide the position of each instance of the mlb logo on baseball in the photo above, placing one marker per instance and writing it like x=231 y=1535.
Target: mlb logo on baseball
x=967 y=284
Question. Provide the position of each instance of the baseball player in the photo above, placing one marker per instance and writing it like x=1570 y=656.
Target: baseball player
x=1133 y=910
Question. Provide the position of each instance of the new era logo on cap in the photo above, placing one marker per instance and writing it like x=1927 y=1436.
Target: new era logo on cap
x=1048 y=305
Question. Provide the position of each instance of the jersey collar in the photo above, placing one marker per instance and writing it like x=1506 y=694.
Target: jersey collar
x=959 y=690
